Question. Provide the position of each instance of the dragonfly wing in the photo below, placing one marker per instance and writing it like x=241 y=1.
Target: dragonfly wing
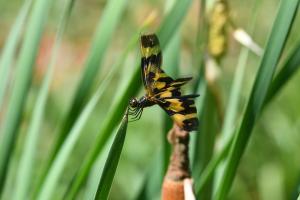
x=154 y=78
x=151 y=59
x=182 y=110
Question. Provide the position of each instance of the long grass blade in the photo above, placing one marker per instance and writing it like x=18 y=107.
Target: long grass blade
x=210 y=168
x=198 y=145
x=207 y=133
x=108 y=22
x=27 y=159
x=287 y=71
x=284 y=75
x=112 y=161
x=10 y=48
x=107 y=81
x=276 y=42
x=107 y=26
x=201 y=85
x=168 y=27
x=60 y=160
x=150 y=188
x=96 y=172
x=21 y=86
x=234 y=97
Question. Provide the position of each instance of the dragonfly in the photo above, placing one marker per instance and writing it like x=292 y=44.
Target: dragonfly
x=161 y=89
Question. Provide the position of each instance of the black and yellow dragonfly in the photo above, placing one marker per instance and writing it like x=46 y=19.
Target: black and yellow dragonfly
x=162 y=89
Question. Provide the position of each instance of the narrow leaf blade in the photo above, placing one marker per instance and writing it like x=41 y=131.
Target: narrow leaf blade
x=112 y=161
x=21 y=86
x=277 y=39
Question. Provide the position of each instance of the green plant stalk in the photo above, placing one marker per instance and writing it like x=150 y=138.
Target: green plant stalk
x=107 y=25
x=201 y=87
x=25 y=168
x=150 y=189
x=169 y=25
x=210 y=168
x=10 y=48
x=234 y=97
x=200 y=50
x=112 y=161
x=108 y=126
x=285 y=74
x=21 y=86
x=96 y=172
x=232 y=108
x=263 y=80
x=233 y=103
x=107 y=80
x=64 y=153
x=103 y=35
x=206 y=138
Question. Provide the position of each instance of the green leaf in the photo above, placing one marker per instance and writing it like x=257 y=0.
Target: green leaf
x=170 y=23
x=112 y=14
x=232 y=108
x=10 y=48
x=277 y=39
x=112 y=161
x=202 y=142
x=25 y=169
x=167 y=28
x=64 y=153
x=104 y=85
x=292 y=64
x=150 y=189
x=208 y=172
x=21 y=86
x=207 y=133
x=284 y=75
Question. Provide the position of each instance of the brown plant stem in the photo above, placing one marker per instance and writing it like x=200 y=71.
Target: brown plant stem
x=178 y=170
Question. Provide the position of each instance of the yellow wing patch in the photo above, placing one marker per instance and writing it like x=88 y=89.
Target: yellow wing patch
x=182 y=110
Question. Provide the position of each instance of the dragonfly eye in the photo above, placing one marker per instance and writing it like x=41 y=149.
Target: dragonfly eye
x=133 y=102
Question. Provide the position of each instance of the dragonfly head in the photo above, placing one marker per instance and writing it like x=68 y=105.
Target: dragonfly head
x=133 y=102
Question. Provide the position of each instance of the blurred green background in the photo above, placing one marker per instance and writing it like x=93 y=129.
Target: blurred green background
x=270 y=168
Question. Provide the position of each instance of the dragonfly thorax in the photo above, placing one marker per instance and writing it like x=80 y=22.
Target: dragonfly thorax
x=142 y=102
